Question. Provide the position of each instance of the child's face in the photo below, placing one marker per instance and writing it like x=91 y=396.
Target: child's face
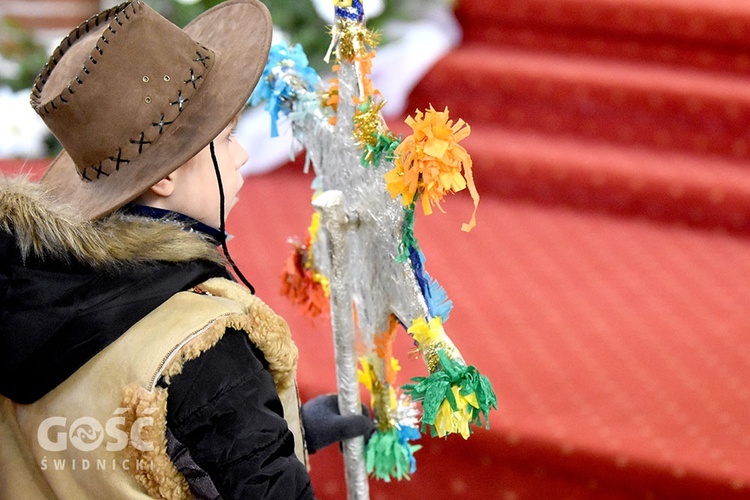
x=196 y=190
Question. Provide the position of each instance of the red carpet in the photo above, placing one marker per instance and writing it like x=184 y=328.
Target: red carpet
x=604 y=290
x=616 y=345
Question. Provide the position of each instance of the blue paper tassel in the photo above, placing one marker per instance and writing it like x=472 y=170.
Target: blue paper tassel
x=286 y=74
x=438 y=303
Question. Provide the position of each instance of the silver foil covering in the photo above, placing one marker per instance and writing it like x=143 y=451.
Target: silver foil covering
x=357 y=249
x=330 y=205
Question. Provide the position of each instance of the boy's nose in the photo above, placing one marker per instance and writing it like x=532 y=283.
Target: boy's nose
x=242 y=156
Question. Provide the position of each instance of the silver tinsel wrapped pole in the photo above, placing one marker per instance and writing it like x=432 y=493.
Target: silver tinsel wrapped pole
x=336 y=223
x=362 y=231
x=366 y=253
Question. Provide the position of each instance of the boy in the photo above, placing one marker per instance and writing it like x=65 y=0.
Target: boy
x=130 y=365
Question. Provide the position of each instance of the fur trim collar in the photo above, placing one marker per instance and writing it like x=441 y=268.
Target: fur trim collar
x=46 y=229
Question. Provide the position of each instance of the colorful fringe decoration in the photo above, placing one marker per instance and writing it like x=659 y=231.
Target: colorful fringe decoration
x=431 y=338
x=438 y=303
x=382 y=148
x=389 y=455
x=353 y=43
x=452 y=398
x=350 y=38
x=370 y=130
x=330 y=97
x=429 y=163
x=286 y=75
x=303 y=287
x=408 y=240
x=300 y=283
x=367 y=122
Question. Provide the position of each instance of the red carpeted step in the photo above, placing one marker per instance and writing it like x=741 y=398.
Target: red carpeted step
x=624 y=102
x=667 y=52
x=594 y=175
x=709 y=22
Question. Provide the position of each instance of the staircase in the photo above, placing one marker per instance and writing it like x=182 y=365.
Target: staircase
x=605 y=286
x=635 y=107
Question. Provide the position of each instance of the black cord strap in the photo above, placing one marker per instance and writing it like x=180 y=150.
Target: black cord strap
x=222 y=228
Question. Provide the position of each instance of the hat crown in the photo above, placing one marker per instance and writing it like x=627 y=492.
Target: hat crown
x=132 y=97
x=117 y=84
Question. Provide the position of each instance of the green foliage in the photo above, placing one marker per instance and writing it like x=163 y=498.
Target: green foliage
x=296 y=18
x=17 y=45
x=181 y=12
x=299 y=20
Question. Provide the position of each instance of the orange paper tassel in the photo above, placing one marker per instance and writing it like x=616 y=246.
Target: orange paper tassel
x=364 y=66
x=429 y=163
x=331 y=97
x=299 y=285
x=384 y=349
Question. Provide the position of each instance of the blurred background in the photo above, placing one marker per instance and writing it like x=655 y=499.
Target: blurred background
x=604 y=290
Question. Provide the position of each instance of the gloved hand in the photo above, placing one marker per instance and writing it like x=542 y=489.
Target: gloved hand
x=324 y=425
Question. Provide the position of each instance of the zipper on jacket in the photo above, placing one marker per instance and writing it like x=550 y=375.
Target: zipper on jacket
x=172 y=352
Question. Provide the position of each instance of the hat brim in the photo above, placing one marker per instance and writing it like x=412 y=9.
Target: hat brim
x=239 y=32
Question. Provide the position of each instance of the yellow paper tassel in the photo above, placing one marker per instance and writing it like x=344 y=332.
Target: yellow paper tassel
x=427 y=333
x=449 y=421
x=432 y=338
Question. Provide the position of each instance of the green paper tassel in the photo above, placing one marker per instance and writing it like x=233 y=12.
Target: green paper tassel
x=408 y=239
x=383 y=149
x=432 y=391
x=388 y=457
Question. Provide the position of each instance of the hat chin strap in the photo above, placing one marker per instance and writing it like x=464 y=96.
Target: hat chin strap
x=222 y=227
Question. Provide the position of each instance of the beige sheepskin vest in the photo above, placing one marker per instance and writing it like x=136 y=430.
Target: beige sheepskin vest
x=101 y=433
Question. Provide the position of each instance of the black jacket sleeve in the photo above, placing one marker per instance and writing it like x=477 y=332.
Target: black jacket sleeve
x=225 y=409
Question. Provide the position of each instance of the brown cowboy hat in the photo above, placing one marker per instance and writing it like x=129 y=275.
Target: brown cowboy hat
x=131 y=97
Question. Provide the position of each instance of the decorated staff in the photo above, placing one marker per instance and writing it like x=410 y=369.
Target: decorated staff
x=361 y=255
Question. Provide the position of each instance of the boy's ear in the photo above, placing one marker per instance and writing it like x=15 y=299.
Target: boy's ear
x=165 y=187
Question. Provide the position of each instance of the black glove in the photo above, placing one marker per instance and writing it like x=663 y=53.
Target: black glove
x=324 y=425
